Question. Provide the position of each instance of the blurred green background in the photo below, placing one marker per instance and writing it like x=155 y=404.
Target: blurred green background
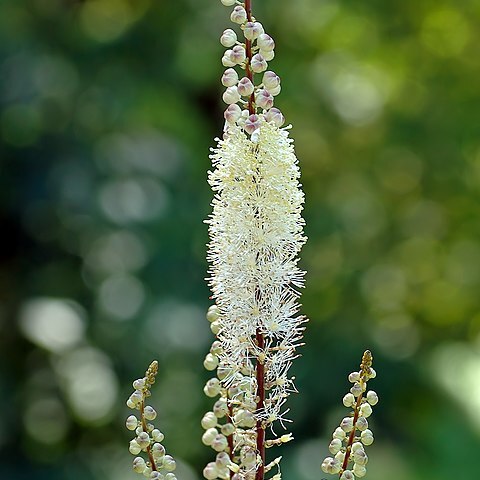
x=108 y=109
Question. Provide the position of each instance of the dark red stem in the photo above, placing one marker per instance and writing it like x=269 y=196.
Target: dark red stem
x=248 y=48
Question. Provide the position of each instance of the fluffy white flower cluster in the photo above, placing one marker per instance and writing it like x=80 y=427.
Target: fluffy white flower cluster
x=159 y=466
x=351 y=437
x=248 y=103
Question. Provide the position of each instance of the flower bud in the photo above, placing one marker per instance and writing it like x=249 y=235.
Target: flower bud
x=156 y=476
x=356 y=446
x=169 y=463
x=252 y=123
x=270 y=80
x=356 y=390
x=264 y=99
x=347 y=424
x=149 y=413
x=245 y=87
x=362 y=423
x=210 y=472
x=143 y=439
x=372 y=373
x=220 y=443
x=158 y=450
x=136 y=397
x=212 y=387
x=228 y=3
x=335 y=446
x=209 y=436
x=331 y=465
x=275 y=91
x=354 y=377
x=209 y=420
x=227 y=60
x=134 y=448
x=170 y=476
x=253 y=30
x=367 y=437
x=258 y=63
x=360 y=457
x=211 y=362
x=216 y=325
x=227 y=429
x=131 y=422
x=347 y=475
x=275 y=115
x=216 y=348
x=238 y=54
x=239 y=15
x=222 y=459
x=248 y=456
x=268 y=55
x=229 y=79
x=157 y=435
x=372 y=397
x=220 y=408
x=365 y=410
x=139 y=464
x=265 y=42
x=139 y=384
x=228 y=38
x=339 y=433
x=348 y=400
x=359 y=470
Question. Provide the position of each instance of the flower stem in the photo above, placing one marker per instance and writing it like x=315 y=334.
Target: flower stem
x=260 y=367
x=144 y=426
x=248 y=50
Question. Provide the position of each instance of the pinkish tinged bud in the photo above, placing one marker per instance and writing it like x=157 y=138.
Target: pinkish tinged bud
x=265 y=42
x=239 y=15
x=264 y=99
x=270 y=80
x=238 y=54
x=258 y=63
x=245 y=87
x=229 y=78
x=232 y=113
x=231 y=95
x=253 y=30
x=252 y=123
x=228 y=38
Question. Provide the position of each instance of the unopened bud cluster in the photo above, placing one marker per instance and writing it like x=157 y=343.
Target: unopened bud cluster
x=248 y=103
x=157 y=465
x=353 y=435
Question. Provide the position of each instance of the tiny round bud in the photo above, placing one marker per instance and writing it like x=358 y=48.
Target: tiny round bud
x=210 y=472
x=209 y=420
x=134 y=448
x=156 y=476
x=275 y=91
x=359 y=470
x=270 y=80
x=356 y=446
x=362 y=423
x=354 y=377
x=228 y=38
x=264 y=99
x=149 y=413
x=169 y=463
x=139 y=464
x=136 y=397
x=372 y=397
x=230 y=96
x=347 y=475
x=267 y=55
x=340 y=456
x=276 y=116
x=253 y=30
x=258 y=63
x=212 y=387
x=157 y=435
x=347 y=424
x=360 y=457
x=228 y=3
x=211 y=361
x=372 y=373
x=220 y=408
x=365 y=410
x=222 y=459
x=227 y=429
x=216 y=348
x=339 y=433
x=143 y=440
x=238 y=54
x=248 y=456
x=245 y=87
x=331 y=465
x=348 y=400
x=131 y=422
x=131 y=404
x=252 y=123
x=139 y=384
x=356 y=390
x=227 y=60
x=220 y=443
x=170 y=476
x=209 y=436
x=367 y=437
x=158 y=450
x=229 y=79
x=216 y=326
x=335 y=446
x=239 y=15
x=265 y=42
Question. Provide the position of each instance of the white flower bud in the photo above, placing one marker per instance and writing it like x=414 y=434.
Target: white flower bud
x=222 y=370
x=212 y=387
x=252 y=123
x=347 y=475
x=139 y=384
x=267 y=55
x=220 y=443
x=335 y=446
x=331 y=465
x=216 y=348
x=258 y=63
x=131 y=404
x=229 y=79
x=270 y=80
x=149 y=413
x=354 y=377
x=131 y=422
x=169 y=463
x=365 y=410
x=362 y=423
x=136 y=397
x=216 y=326
x=276 y=116
x=248 y=456
x=253 y=30
x=359 y=470
x=222 y=459
x=209 y=436
x=158 y=450
x=157 y=435
x=367 y=437
x=360 y=457
x=238 y=54
x=340 y=456
x=264 y=99
x=228 y=3
x=255 y=137
x=228 y=38
x=275 y=91
x=347 y=424
x=156 y=476
x=134 y=448
x=372 y=397
x=239 y=15
x=356 y=390
x=228 y=429
x=227 y=60
x=210 y=472
x=209 y=420
x=356 y=446
x=139 y=464
x=245 y=87
x=265 y=42
x=143 y=440
x=211 y=361
x=220 y=408
x=339 y=433
x=348 y=400
x=372 y=373
x=170 y=476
